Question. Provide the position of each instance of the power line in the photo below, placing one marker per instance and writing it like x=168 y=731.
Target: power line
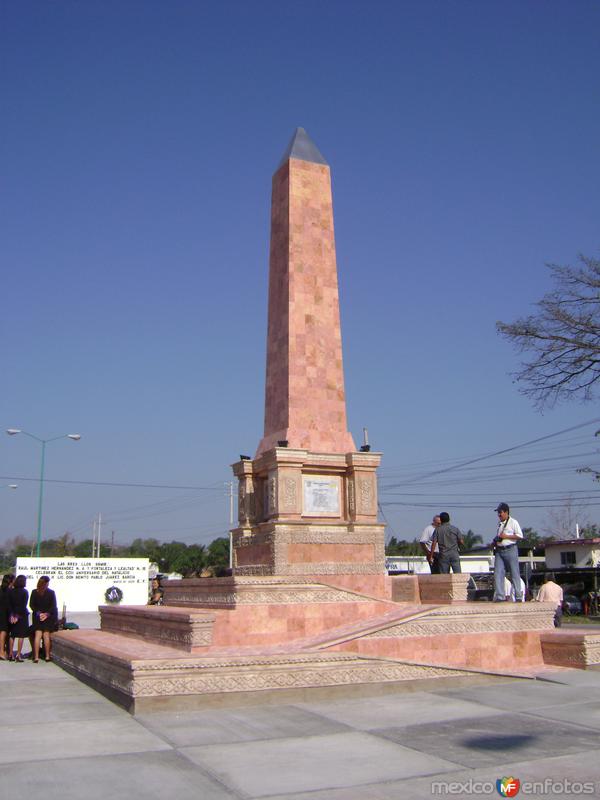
x=114 y=483
x=470 y=461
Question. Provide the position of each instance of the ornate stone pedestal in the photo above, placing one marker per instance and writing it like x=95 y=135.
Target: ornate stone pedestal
x=303 y=513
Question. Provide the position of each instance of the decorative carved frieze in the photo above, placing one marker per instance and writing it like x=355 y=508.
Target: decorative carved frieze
x=351 y=499
x=343 y=568
x=365 y=496
x=242 y=510
x=270 y=595
x=262 y=679
x=271 y=496
x=290 y=500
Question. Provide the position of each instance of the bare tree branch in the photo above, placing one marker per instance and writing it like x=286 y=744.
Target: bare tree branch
x=562 y=339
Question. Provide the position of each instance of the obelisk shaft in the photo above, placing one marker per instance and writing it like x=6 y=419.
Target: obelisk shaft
x=305 y=402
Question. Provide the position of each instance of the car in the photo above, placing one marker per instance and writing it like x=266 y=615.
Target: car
x=571 y=604
x=480 y=586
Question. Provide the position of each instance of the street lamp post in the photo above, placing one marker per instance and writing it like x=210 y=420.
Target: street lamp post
x=74 y=437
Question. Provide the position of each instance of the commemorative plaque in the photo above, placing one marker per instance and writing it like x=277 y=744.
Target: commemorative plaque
x=321 y=496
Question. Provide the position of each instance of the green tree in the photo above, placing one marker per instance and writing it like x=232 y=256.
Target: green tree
x=179 y=557
x=562 y=338
x=83 y=549
x=391 y=548
x=531 y=538
x=402 y=547
x=218 y=555
x=145 y=548
x=470 y=539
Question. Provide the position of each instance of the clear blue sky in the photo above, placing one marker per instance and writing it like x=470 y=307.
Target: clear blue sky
x=138 y=144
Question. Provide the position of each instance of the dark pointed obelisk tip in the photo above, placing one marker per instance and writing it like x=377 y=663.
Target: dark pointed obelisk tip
x=303 y=148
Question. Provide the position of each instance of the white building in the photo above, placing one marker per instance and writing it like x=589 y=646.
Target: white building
x=573 y=553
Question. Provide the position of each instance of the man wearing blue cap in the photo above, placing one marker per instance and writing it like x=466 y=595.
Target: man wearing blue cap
x=507 y=554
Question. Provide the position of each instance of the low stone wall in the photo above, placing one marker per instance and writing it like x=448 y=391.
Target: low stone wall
x=565 y=648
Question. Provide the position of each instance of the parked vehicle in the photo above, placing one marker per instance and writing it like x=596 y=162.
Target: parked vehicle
x=480 y=586
x=572 y=604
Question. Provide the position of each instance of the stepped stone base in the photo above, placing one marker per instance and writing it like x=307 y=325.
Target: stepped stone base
x=244 y=638
x=141 y=677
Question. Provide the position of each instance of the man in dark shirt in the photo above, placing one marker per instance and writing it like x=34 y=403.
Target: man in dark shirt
x=448 y=539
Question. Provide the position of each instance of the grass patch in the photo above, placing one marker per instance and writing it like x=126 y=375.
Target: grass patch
x=579 y=619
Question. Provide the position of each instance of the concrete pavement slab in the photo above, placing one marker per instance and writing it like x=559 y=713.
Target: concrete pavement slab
x=487 y=741
x=45 y=708
x=560 y=777
x=524 y=695
x=73 y=741
x=312 y=763
x=575 y=677
x=11 y=672
x=397 y=710
x=151 y=776
x=240 y=725
x=586 y=715
x=57 y=740
x=32 y=689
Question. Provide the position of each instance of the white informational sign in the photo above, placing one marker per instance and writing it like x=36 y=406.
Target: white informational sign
x=81 y=583
x=321 y=496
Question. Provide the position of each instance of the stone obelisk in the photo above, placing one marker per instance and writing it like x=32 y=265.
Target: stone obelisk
x=308 y=500
x=305 y=403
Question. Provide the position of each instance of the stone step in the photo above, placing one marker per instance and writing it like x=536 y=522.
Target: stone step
x=180 y=628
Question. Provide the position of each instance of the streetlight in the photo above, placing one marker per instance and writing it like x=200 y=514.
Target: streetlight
x=9 y=486
x=75 y=437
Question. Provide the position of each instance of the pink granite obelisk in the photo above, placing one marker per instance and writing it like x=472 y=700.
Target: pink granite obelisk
x=307 y=501
x=305 y=403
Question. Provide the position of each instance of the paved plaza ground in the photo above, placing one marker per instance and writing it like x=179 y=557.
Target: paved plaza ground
x=61 y=736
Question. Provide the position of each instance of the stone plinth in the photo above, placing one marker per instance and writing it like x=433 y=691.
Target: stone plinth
x=451 y=588
x=405 y=589
x=566 y=648
x=303 y=513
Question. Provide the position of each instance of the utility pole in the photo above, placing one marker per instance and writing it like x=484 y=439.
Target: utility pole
x=94 y=537
x=98 y=539
x=112 y=543
x=230 y=483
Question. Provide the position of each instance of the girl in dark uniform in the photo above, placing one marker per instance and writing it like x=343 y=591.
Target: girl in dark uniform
x=7 y=582
x=18 y=615
x=45 y=616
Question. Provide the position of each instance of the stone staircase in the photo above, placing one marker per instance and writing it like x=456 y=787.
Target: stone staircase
x=254 y=639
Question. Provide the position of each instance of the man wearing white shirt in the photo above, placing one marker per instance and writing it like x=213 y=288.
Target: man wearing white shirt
x=429 y=547
x=507 y=554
